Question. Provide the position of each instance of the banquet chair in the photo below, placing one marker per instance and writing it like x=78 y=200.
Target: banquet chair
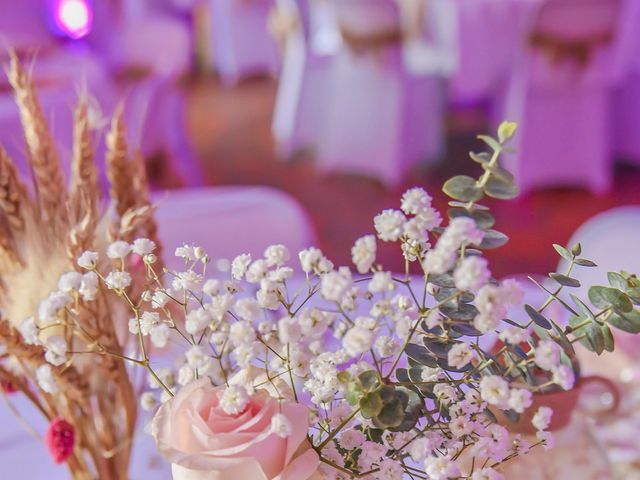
x=559 y=94
x=241 y=43
x=302 y=87
x=382 y=119
x=228 y=221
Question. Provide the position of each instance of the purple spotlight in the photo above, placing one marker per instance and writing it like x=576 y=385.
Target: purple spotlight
x=73 y=18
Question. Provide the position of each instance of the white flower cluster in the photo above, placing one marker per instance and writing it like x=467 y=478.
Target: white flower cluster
x=314 y=337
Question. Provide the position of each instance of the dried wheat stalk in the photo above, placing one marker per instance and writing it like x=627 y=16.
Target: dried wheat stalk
x=41 y=151
x=39 y=240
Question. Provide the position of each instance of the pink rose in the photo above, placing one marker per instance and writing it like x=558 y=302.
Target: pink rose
x=204 y=443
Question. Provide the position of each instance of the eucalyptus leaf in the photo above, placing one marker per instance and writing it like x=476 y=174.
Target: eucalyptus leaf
x=402 y=375
x=439 y=348
x=370 y=380
x=591 y=333
x=459 y=311
x=597 y=297
x=506 y=130
x=462 y=187
x=442 y=280
x=466 y=329
x=445 y=293
x=492 y=142
x=627 y=322
x=537 y=317
x=609 y=341
x=371 y=405
x=481 y=158
x=617 y=281
x=565 y=280
x=576 y=249
x=583 y=262
x=583 y=309
x=603 y=297
x=476 y=206
x=564 y=253
x=493 y=239
x=483 y=218
x=563 y=339
x=420 y=355
x=501 y=188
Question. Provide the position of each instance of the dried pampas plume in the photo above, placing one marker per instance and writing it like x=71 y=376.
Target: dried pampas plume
x=43 y=229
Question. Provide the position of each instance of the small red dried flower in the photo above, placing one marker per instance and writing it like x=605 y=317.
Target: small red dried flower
x=59 y=440
x=7 y=387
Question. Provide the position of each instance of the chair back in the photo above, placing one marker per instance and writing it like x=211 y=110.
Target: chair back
x=572 y=41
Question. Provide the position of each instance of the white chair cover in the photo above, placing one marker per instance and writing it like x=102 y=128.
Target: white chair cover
x=381 y=119
x=228 y=221
x=241 y=43
x=561 y=104
x=303 y=87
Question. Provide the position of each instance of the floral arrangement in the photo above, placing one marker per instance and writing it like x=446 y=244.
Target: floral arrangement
x=328 y=374
x=89 y=402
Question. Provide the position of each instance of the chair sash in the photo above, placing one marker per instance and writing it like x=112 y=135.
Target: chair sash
x=375 y=41
x=560 y=49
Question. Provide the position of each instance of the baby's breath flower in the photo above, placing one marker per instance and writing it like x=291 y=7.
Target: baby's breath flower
x=118 y=280
x=118 y=250
x=46 y=380
x=389 y=225
x=88 y=260
x=143 y=246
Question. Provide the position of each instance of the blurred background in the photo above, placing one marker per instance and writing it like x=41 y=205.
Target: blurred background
x=343 y=104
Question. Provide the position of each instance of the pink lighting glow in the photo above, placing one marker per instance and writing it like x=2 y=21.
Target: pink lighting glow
x=73 y=18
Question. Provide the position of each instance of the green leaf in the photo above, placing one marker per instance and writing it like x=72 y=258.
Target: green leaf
x=627 y=322
x=583 y=262
x=620 y=300
x=480 y=158
x=582 y=307
x=564 y=253
x=492 y=142
x=593 y=336
x=444 y=280
x=564 y=280
x=371 y=405
x=537 y=317
x=344 y=377
x=506 y=130
x=597 y=296
x=439 y=348
x=563 y=339
x=420 y=355
x=392 y=413
x=483 y=218
x=609 y=342
x=603 y=297
x=501 y=189
x=459 y=311
x=370 y=380
x=576 y=249
x=617 y=281
x=462 y=187
x=493 y=239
